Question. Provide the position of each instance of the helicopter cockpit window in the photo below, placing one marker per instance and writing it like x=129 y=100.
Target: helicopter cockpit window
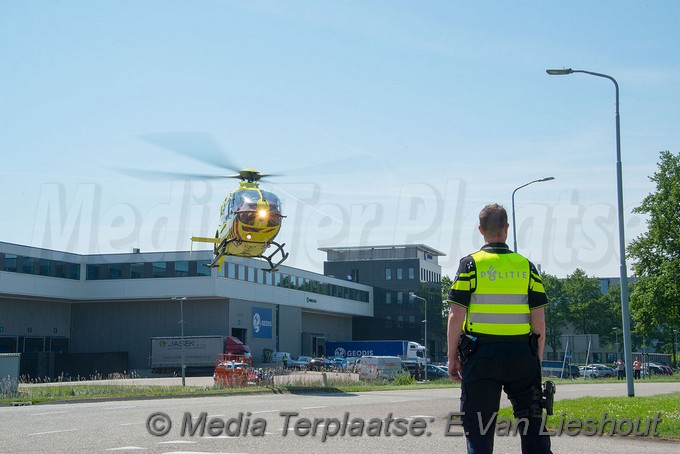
x=274 y=208
x=245 y=205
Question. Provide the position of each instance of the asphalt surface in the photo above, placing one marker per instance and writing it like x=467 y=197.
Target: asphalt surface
x=274 y=423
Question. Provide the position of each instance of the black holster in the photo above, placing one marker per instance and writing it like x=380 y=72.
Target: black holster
x=467 y=345
x=533 y=342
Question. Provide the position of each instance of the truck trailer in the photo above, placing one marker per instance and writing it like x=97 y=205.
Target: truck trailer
x=199 y=352
x=406 y=350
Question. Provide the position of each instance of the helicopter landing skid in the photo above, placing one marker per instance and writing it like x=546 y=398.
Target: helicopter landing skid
x=217 y=260
x=268 y=258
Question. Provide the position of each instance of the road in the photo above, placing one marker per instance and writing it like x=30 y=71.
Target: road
x=394 y=421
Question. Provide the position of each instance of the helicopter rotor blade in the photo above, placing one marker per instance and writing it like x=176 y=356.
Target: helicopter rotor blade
x=162 y=175
x=197 y=145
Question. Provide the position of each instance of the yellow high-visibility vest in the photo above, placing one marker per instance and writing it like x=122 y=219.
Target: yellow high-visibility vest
x=499 y=305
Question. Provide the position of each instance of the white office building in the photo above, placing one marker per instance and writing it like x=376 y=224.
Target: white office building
x=59 y=302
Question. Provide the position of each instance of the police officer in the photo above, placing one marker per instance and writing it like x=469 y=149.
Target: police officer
x=497 y=300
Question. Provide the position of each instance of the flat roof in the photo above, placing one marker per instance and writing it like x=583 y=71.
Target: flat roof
x=423 y=247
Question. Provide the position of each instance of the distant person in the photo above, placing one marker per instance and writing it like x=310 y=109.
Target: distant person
x=620 y=369
x=637 y=368
x=498 y=316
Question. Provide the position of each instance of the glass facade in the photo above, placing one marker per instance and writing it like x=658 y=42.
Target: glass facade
x=146 y=270
x=281 y=279
x=163 y=269
x=43 y=267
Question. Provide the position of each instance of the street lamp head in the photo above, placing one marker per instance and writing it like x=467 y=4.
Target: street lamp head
x=546 y=179
x=559 y=72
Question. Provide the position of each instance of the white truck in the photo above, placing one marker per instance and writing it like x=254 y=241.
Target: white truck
x=406 y=350
x=199 y=352
x=385 y=367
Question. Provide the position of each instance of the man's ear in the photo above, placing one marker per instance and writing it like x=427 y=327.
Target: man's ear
x=479 y=227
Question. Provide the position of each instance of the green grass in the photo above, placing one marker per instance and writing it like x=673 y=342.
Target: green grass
x=67 y=392
x=617 y=408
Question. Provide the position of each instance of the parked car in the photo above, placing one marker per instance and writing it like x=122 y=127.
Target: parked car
x=339 y=363
x=604 y=371
x=587 y=371
x=301 y=362
x=659 y=369
x=434 y=372
x=320 y=364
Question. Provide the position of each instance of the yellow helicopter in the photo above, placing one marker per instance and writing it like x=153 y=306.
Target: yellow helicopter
x=250 y=218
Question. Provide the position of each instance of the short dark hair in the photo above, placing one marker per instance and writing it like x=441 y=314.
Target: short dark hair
x=492 y=219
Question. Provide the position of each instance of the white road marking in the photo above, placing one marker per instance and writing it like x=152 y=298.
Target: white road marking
x=49 y=413
x=313 y=408
x=172 y=442
x=263 y=411
x=127 y=448
x=54 y=432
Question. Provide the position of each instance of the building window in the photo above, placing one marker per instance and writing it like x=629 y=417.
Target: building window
x=388 y=297
x=202 y=268
x=400 y=297
x=400 y=274
x=28 y=265
x=137 y=270
x=411 y=273
x=44 y=267
x=400 y=321
x=10 y=263
x=73 y=271
x=92 y=272
x=231 y=270
x=388 y=321
x=388 y=274
x=159 y=269
x=116 y=271
x=181 y=269
x=411 y=321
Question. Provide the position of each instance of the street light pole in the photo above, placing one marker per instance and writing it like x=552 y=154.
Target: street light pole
x=414 y=296
x=625 y=310
x=616 y=333
x=514 y=225
x=181 y=324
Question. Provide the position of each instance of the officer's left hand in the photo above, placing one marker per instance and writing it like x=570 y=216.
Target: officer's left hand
x=455 y=369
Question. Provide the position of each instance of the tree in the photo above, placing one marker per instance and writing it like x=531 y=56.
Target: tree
x=586 y=307
x=555 y=313
x=655 y=300
x=447 y=282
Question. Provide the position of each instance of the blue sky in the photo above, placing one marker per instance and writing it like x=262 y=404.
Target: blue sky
x=392 y=121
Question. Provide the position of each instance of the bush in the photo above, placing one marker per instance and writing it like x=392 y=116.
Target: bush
x=404 y=379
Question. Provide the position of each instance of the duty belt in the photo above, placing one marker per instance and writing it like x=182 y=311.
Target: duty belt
x=490 y=338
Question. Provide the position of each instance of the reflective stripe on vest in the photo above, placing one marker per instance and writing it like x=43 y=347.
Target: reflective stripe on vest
x=500 y=303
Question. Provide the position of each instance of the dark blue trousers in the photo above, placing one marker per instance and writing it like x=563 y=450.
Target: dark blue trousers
x=513 y=368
